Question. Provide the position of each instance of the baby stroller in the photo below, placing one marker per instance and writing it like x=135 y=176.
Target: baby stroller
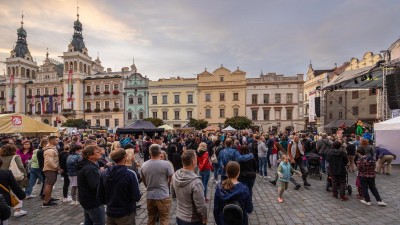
x=329 y=181
x=314 y=165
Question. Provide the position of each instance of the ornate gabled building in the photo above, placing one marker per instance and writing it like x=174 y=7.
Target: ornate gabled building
x=136 y=96
x=222 y=94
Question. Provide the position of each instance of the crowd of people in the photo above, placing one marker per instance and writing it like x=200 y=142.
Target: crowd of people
x=100 y=172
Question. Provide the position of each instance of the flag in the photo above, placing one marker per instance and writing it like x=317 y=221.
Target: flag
x=69 y=91
x=33 y=105
x=59 y=104
x=50 y=109
x=42 y=105
x=11 y=102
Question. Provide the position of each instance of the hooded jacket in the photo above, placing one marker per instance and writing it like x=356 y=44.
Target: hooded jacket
x=239 y=192
x=88 y=180
x=189 y=191
x=119 y=190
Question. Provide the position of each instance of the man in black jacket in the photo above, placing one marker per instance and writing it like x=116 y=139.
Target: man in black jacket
x=337 y=160
x=88 y=180
x=119 y=190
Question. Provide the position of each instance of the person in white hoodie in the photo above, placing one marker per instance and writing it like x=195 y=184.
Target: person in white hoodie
x=189 y=192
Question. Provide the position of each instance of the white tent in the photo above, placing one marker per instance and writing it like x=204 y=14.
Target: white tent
x=387 y=134
x=229 y=128
x=166 y=127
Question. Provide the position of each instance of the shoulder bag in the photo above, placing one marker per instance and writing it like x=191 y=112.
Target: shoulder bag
x=14 y=200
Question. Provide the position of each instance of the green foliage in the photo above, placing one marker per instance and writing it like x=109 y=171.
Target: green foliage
x=79 y=123
x=157 y=122
x=198 y=124
x=239 y=122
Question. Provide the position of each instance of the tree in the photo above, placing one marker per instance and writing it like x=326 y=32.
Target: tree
x=79 y=123
x=239 y=122
x=157 y=122
x=198 y=124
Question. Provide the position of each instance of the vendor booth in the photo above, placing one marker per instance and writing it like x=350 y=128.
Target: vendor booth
x=140 y=127
x=387 y=134
x=18 y=123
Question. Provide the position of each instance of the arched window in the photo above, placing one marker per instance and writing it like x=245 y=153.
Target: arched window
x=84 y=68
x=80 y=66
x=71 y=66
x=88 y=70
x=66 y=67
x=39 y=107
x=55 y=108
x=28 y=73
x=55 y=91
x=13 y=71
x=46 y=108
x=23 y=71
x=8 y=71
x=33 y=74
x=46 y=91
x=75 y=66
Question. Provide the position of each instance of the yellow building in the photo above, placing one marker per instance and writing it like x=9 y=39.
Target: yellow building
x=173 y=100
x=222 y=94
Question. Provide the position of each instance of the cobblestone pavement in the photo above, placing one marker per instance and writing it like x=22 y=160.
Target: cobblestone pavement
x=310 y=205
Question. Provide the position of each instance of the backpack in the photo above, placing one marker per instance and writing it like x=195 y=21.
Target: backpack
x=232 y=213
x=18 y=175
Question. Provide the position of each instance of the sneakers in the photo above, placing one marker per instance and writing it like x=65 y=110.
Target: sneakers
x=65 y=200
x=267 y=177
x=30 y=196
x=74 y=202
x=381 y=203
x=307 y=184
x=20 y=213
x=365 y=202
x=54 y=199
x=49 y=204
x=273 y=182
x=297 y=187
x=344 y=198
x=280 y=200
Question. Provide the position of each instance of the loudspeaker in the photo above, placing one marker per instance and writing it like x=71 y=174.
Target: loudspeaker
x=393 y=90
x=318 y=106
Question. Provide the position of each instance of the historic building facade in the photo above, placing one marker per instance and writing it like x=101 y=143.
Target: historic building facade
x=221 y=94
x=173 y=100
x=275 y=102
x=136 y=96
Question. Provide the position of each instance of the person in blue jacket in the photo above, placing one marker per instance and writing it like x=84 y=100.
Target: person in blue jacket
x=230 y=191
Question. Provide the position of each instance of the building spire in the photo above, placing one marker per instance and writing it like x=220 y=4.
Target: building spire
x=47 y=53
x=22 y=20
x=77 y=10
x=133 y=67
x=262 y=73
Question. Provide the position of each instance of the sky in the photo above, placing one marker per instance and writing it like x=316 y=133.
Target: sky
x=183 y=37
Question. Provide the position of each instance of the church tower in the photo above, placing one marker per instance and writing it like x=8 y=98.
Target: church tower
x=20 y=69
x=77 y=66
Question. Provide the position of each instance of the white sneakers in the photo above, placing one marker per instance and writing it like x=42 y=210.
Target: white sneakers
x=30 y=196
x=20 y=213
x=74 y=202
x=365 y=202
x=381 y=203
x=65 y=200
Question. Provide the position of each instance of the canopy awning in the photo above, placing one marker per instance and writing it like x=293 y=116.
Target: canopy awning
x=346 y=79
x=229 y=128
x=19 y=123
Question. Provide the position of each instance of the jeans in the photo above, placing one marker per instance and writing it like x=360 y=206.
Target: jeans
x=299 y=162
x=249 y=182
x=95 y=216
x=158 y=208
x=215 y=166
x=262 y=162
x=205 y=176
x=181 y=222
x=65 y=186
x=369 y=182
x=323 y=162
x=269 y=152
x=35 y=173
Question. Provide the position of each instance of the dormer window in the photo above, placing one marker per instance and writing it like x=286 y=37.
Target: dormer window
x=221 y=79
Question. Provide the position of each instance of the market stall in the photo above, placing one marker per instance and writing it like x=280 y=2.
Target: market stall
x=387 y=133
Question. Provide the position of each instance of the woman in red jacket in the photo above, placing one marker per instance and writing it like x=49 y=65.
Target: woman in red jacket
x=204 y=165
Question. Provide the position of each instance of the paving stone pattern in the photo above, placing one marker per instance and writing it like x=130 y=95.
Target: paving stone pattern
x=310 y=205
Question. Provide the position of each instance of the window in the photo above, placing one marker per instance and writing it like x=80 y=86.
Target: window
x=373 y=109
x=116 y=104
x=140 y=100
x=222 y=113
x=141 y=115
x=55 y=91
x=189 y=115
x=340 y=100
x=266 y=98
x=97 y=105
x=106 y=87
x=154 y=115
x=97 y=122
x=277 y=114
x=208 y=113
x=176 y=99
x=289 y=113
x=289 y=98
x=88 y=105
x=235 y=112
x=154 y=100
x=221 y=79
x=116 y=87
x=129 y=115
x=130 y=101
x=97 y=88
x=107 y=104
x=88 y=123
x=277 y=98
x=330 y=102
x=176 y=115
x=222 y=96
x=355 y=110
x=190 y=98
x=305 y=96
x=330 y=115
x=340 y=115
x=116 y=122
x=38 y=91
x=2 y=93
x=165 y=99
x=235 y=96
x=107 y=122
x=164 y=115
x=372 y=91
x=254 y=113
x=29 y=93
x=254 y=99
x=208 y=97
x=354 y=94
x=46 y=91
x=266 y=114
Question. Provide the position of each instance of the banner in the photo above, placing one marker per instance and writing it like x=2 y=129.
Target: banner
x=11 y=102
x=311 y=107
x=33 y=102
x=50 y=109
x=42 y=105
x=69 y=90
x=59 y=104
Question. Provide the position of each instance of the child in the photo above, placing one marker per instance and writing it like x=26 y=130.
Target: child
x=72 y=159
x=285 y=171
